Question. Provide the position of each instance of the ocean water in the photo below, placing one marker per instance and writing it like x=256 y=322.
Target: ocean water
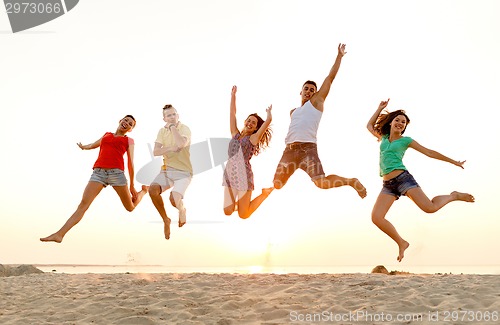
x=251 y=269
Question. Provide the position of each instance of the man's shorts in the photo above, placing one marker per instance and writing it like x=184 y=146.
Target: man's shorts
x=399 y=185
x=178 y=179
x=303 y=155
x=106 y=176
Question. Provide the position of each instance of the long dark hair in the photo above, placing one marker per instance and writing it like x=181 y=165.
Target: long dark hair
x=383 y=124
x=266 y=136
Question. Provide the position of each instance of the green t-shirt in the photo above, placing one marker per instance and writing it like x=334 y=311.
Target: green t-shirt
x=391 y=154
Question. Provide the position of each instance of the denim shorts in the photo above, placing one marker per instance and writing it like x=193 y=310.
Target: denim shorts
x=303 y=155
x=107 y=176
x=399 y=185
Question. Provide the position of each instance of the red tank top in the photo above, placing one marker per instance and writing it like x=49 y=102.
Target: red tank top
x=112 y=150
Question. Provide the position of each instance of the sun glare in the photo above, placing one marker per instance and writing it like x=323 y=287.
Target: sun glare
x=255 y=269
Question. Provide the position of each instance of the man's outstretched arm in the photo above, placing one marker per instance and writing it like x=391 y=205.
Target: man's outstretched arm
x=323 y=91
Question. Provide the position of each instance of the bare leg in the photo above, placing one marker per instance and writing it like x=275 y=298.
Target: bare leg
x=172 y=201
x=331 y=181
x=155 y=195
x=127 y=201
x=283 y=173
x=431 y=206
x=382 y=205
x=247 y=207
x=89 y=194
x=179 y=204
x=229 y=200
x=140 y=195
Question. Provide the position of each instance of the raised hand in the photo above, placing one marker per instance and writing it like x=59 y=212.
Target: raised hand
x=133 y=193
x=342 y=51
x=383 y=104
x=460 y=164
x=268 y=111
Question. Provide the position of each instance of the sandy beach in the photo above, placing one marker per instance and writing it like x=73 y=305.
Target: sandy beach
x=202 y=298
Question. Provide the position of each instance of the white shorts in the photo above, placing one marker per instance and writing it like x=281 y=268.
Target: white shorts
x=178 y=179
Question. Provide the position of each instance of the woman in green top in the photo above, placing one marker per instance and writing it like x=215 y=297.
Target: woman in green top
x=388 y=128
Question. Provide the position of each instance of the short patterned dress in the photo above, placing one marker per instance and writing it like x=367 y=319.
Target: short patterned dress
x=238 y=172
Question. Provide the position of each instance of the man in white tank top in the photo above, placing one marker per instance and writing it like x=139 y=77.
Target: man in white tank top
x=301 y=150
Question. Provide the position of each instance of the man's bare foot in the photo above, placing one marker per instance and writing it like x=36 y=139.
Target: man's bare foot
x=402 y=249
x=267 y=191
x=182 y=217
x=54 y=237
x=166 y=228
x=462 y=196
x=356 y=184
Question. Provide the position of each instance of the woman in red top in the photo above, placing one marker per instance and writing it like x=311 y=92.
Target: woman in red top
x=108 y=170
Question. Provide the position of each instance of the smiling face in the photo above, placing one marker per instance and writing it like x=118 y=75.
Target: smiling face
x=251 y=124
x=399 y=123
x=126 y=124
x=307 y=92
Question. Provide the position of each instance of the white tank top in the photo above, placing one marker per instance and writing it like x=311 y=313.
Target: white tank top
x=304 y=124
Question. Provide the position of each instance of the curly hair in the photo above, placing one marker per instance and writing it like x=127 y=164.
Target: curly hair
x=383 y=124
x=266 y=136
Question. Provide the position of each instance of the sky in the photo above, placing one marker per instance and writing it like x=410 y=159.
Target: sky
x=72 y=79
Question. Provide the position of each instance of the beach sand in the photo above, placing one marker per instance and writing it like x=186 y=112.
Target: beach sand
x=203 y=298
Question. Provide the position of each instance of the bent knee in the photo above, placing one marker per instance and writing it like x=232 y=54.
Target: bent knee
x=130 y=209
x=429 y=209
x=377 y=218
x=319 y=183
x=322 y=183
x=278 y=184
x=172 y=200
x=154 y=190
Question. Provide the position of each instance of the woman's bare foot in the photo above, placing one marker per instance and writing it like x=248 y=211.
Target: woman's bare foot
x=402 y=249
x=166 y=228
x=54 y=237
x=356 y=184
x=140 y=195
x=267 y=191
x=462 y=196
